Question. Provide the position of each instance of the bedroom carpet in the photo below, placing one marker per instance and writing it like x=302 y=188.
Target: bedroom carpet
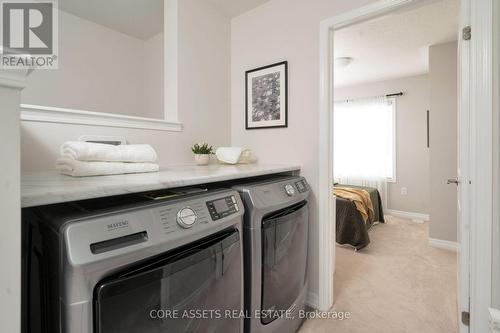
x=397 y=284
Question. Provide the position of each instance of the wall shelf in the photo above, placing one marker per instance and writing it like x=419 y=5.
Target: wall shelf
x=47 y=114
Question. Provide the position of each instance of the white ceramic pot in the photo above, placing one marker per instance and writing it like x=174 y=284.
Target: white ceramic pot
x=202 y=159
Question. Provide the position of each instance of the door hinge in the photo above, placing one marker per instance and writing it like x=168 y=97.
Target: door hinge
x=467 y=33
x=465 y=318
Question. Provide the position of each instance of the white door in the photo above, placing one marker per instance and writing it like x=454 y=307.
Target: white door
x=463 y=171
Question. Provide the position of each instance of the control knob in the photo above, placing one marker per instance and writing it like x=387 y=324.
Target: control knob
x=289 y=190
x=186 y=217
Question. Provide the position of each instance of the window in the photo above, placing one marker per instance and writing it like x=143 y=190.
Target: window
x=365 y=139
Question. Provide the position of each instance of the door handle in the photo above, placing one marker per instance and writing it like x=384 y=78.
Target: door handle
x=453 y=181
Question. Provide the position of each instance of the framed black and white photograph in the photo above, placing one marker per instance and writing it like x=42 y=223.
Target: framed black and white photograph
x=266 y=97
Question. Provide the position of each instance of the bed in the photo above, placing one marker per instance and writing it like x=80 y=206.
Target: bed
x=351 y=227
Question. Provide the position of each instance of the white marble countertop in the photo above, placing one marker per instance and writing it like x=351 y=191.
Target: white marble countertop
x=43 y=188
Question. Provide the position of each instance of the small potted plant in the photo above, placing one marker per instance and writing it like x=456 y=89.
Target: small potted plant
x=202 y=152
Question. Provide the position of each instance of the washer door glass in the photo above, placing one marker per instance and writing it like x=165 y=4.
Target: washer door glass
x=189 y=290
x=284 y=259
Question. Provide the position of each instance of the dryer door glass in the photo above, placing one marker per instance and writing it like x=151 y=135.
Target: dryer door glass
x=169 y=293
x=284 y=259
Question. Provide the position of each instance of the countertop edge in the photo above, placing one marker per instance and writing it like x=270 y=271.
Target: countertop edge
x=46 y=195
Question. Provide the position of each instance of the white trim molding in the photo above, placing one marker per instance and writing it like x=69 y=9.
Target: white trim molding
x=14 y=78
x=326 y=200
x=482 y=156
x=312 y=300
x=443 y=244
x=48 y=114
x=464 y=168
x=495 y=301
x=408 y=215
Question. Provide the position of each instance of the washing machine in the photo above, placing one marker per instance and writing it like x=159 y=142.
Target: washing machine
x=275 y=234
x=169 y=262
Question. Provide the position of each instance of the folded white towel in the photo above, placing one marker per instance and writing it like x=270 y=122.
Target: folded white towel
x=72 y=167
x=87 y=151
x=234 y=155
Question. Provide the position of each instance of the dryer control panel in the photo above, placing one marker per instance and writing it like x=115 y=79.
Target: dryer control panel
x=280 y=192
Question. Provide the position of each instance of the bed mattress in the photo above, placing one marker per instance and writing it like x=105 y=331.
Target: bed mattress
x=351 y=228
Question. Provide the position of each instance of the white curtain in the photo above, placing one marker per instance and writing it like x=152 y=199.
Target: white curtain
x=364 y=143
x=364 y=139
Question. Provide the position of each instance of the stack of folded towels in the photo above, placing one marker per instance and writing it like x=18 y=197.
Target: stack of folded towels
x=80 y=159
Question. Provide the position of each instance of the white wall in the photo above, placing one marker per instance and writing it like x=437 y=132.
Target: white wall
x=153 y=77
x=10 y=212
x=285 y=30
x=204 y=58
x=100 y=70
x=443 y=140
x=412 y=156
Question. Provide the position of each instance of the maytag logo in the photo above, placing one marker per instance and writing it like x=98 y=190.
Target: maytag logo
x=118 y=225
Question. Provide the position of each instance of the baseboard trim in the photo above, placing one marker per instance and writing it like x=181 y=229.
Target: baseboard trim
x=408 y=215
x=312 y=300
x=443 y=244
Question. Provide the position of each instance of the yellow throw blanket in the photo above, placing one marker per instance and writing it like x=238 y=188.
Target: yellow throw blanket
x=361 y=199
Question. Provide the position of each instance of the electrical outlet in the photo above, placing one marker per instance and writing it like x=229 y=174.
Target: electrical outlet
x=404 y=191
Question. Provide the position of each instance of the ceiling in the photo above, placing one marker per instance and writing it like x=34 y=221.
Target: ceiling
x=233 y=8
x=141 y=19
x=396 y=45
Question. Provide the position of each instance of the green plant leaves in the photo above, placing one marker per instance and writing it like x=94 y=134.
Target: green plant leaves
x=202 y=148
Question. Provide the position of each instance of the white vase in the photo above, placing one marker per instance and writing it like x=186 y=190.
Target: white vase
x=202 y=159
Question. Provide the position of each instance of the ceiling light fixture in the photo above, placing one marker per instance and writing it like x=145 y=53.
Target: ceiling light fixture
x=343 y=61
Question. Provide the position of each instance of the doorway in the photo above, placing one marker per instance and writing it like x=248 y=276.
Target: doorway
x=395 y=147
x=474 y=82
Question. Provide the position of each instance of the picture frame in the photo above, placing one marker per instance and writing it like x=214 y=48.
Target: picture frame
x=266 y=96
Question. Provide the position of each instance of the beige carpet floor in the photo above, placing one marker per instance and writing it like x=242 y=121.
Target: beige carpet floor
x=397 y=284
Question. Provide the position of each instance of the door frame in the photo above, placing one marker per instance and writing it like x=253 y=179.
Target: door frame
x=495 y=301
x=481 y=157
x=463 y=170
x=475 y=102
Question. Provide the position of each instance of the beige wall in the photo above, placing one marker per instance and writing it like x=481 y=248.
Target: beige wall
x=100 y=70
x=443 y=140
x=423 y=171
x=285 y=30
x=412 y=156
x=204 y=58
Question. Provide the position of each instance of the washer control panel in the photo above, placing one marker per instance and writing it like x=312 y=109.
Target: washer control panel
x=148 y=227
x=302 y=185
x=223 y=207
x=186 y=217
